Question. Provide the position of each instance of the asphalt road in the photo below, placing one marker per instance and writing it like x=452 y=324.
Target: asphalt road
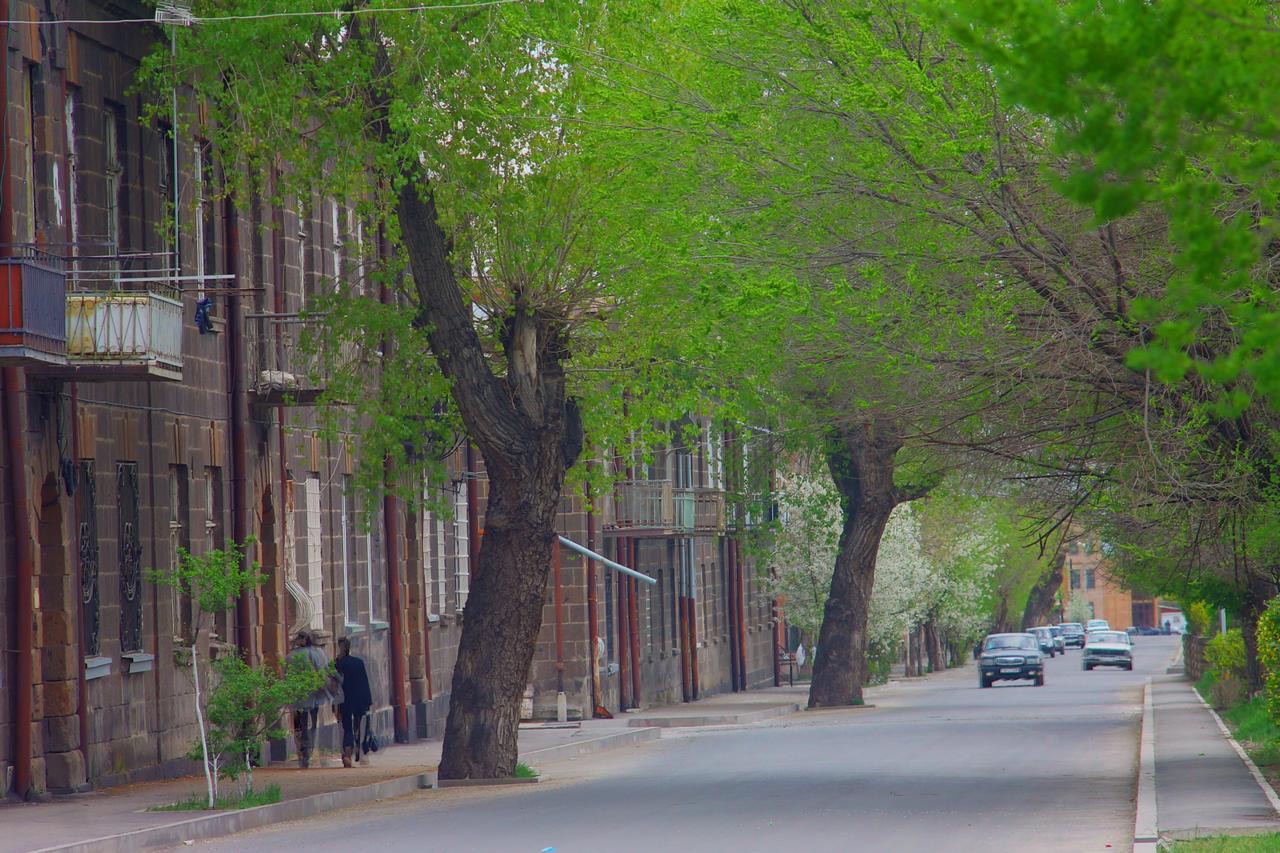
x=937 y=765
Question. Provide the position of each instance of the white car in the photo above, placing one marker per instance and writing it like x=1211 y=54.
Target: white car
x=1107 y=648
x=1096 y=625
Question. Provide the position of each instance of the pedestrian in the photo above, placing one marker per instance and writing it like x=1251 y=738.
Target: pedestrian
x=306 y=713
x=356 y=699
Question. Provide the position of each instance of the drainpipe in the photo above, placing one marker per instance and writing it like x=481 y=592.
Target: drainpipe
x=390 y=522
x=562 y=709
x=740 y=602
x=633 y=597
x=82 y=638
x=239 y=417
x=283 y=501
x=624 y=639
x=593 y=629
x=777 y=641
x=15 y=399
x=682 y=622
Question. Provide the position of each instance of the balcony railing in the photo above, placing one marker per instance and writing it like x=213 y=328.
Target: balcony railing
x=643 y=505
x=124 y=317
x=284 y=368
x=708 y=511
x=33 y=286
x=684 y=506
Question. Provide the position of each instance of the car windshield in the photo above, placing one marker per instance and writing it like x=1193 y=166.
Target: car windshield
x=1073 y=627
x=1010 y=641
x=1109 y=637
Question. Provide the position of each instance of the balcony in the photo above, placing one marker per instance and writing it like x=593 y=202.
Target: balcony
x=285 y=368
x=708 y=511
x=123 y=319
x=641 y=506
x=33 y=288
x=683 y=507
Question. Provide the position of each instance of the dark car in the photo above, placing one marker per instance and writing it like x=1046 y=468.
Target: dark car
x=1072 y=634
x=1010 y=657
x=1044 y=636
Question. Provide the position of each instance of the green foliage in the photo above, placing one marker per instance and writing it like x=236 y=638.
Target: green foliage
x=245 y=708
x=1268 y=640
x=1198 y=618
x=1225 y=655
x=1078 y=610
x=246 y=799
x=524 y=771
x=1227 y=844
x=213 y=580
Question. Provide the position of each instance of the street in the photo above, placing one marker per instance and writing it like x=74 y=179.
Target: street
x=937 y=764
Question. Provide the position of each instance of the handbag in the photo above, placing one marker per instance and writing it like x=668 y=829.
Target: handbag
x=370 y=742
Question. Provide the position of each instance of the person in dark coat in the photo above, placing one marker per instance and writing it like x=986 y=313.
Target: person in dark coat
x=306 y=712
x=356 y=698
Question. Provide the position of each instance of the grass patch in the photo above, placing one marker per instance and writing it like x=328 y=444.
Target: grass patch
x=1227 y=844
x=1205 y=686
x=1249 y=721
x=524 y=771
x=247 y=800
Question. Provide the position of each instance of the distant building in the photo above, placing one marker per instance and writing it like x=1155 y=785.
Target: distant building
x=1085 y=575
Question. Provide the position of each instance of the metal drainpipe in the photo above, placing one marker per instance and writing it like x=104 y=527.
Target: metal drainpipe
x=239 y=417
x=282 y=501
x=82 y=639
x=634 y=611
x=15 y=399
x=561 y=709
x=741 y=601
x=593 y=630
x=624 y=639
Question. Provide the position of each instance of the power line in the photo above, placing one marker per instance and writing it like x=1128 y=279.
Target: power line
x=330 y=13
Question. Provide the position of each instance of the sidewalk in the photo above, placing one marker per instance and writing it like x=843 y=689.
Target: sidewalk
x=117 y=818
x=1202 y=785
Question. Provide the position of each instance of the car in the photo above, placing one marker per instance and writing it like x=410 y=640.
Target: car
x=1058 y=642
x=1132 y=631
x=1107 y=648
x=1096 y=625
x=1010 y=657
x=1044 y=637
x=1072 y=634
x=1148 y=631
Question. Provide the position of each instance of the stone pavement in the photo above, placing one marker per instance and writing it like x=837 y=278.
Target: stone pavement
x=1203 y=787
x=117 y=818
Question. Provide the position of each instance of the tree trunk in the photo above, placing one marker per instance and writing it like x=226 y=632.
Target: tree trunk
x=932 y=646
x=529 y=433
x=861 y=460
x=1040 y=601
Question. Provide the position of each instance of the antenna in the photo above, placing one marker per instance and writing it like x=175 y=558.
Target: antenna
x=175 y=12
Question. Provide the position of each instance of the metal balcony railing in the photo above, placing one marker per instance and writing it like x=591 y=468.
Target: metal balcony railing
x=643 y=505
x=684 y=506
x=708 y=511
x=285 y=367
x=33 y=288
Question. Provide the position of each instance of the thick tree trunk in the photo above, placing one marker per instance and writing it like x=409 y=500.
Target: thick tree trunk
x=1040 y=601
x=529 y=433
x=861 y=459
x=932 y=647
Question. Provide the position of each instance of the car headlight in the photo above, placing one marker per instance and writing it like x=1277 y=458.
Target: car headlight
x=1033 y=659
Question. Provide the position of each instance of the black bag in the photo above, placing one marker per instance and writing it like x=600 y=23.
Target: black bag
x=370 y=742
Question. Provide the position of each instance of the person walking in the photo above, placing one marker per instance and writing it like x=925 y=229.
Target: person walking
x=356 y=699
x=306 y=713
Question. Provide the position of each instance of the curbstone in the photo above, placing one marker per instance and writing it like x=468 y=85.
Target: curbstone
x=1267 y=790
x=1146 y=828
x=715 y=719
x=595 y=744
x=487 y=783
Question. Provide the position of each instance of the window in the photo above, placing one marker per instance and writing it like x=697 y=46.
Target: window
x=35 y=182
x=130 y=543
x=1075 y=579
x=346 y=533
x=433 y=557
x=315 y=563
x=462 y=547
x=112 y=141
x=1091 y=610
x=373 y=564
x=73 y=165
x=179 y=537
x=87 y=514
x=1089 y=582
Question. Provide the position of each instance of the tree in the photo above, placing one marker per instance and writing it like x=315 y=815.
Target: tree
x=1078 y=610
x=213 y=581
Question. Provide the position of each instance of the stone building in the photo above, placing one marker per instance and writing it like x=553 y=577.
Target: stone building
x=157 y=397
x=1085 y=573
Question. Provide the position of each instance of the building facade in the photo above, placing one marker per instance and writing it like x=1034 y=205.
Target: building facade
x=1085 y=574
x=158 y=397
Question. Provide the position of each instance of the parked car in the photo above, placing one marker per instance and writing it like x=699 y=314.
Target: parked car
x=1058 y=642
x=1108 y=648
x=1010 y=657
x=1045 y=638
x=1072 y=634
x=1149 y=632
x=1096 y=625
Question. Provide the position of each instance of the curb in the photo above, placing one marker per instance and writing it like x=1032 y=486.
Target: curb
x=1267 y=790
x=1146 y=834
x=227 y=823
x=716 y=719
x=487 y=783
x=595 y=744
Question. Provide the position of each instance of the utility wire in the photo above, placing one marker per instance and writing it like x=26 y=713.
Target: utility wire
x=331 y=13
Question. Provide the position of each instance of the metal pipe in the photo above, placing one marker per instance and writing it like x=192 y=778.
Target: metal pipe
x=82 y=638
x=593 y=629
x=239 y=418
x=282 y=501
x=559 y=612
x=634 y=612
x=600 y=558
x=474 y=531
x=624 y=636
x=741 y=601
x=15 y=398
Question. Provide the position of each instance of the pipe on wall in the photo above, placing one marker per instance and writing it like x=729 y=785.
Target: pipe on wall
x=634 y=612
x=15 y=399
x=559 y=613
x=239 y=419
x=593 y=629
x=624 y=637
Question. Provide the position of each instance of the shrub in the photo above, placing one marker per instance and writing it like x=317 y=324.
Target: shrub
x=1198 y=618
x=1224 y=654
x=1269 y=655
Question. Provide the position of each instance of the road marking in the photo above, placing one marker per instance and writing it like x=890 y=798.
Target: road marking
x=1244 y=756
x=1146 y=831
